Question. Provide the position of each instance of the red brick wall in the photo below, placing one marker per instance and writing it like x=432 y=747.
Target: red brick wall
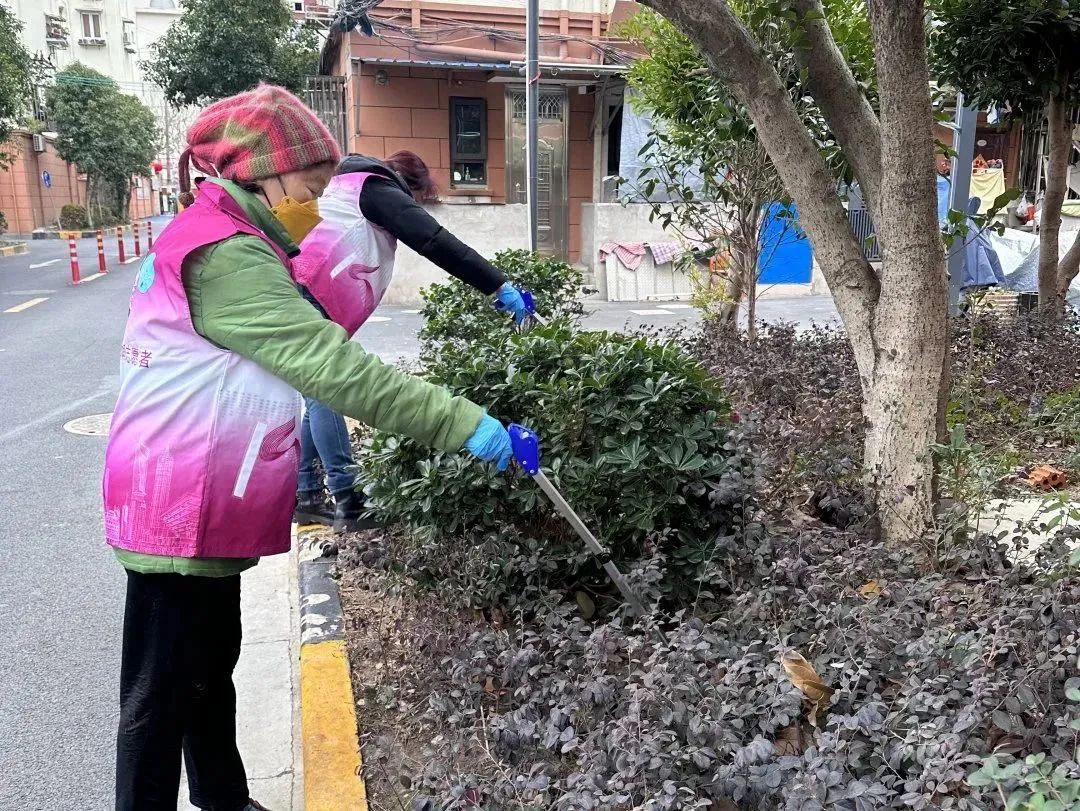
x=412 y=111
x=28 y=205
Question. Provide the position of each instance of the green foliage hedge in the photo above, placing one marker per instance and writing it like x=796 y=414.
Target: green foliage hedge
x=634 y=433
x=73 y=217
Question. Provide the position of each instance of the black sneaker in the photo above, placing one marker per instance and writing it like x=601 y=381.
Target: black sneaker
x=313 y=507
x=349 y=507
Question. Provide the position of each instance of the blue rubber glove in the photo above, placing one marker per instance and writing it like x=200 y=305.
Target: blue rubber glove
x=491 y=442
x=509 y=298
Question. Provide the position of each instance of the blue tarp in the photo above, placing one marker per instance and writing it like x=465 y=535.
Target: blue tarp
x=786 y=257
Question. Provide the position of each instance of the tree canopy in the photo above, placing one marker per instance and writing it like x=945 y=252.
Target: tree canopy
x=1016 y=52
x=14 y=79
x=1022 y=53
x=218 y=48
x=109 y=135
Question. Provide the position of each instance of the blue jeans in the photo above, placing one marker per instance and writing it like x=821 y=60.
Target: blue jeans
x=324 y=437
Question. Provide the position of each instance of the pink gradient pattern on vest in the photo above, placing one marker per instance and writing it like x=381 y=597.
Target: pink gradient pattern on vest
x=204 y=445
x=346 y=263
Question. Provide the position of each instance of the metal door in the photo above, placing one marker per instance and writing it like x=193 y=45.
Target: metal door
x=552 y=219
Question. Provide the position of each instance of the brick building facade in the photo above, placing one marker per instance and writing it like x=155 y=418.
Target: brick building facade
x=28 y=205
x=445 y=80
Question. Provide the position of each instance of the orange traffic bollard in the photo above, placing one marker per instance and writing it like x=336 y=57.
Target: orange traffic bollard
x=120 y=243
x=149 y=235
x=101 y=252
x=73 y=252
x=135 y=231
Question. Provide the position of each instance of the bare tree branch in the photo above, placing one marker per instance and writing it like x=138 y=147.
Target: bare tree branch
x=738 y=60
x=843 y=104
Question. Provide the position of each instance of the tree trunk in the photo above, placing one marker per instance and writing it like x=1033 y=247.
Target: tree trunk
x=907 y=394
x=897 y=323
x=1059 y=135
x=1068 y=267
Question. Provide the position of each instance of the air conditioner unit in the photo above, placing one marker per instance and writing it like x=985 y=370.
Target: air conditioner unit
x=39 y=142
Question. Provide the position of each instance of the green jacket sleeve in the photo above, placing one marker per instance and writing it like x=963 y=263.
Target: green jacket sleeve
x=242 y=298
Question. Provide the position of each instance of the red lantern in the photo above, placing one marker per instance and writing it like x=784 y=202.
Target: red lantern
x=157 y=166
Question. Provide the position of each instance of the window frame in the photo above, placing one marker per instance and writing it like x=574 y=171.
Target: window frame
x=481 y=156
x=91 y=24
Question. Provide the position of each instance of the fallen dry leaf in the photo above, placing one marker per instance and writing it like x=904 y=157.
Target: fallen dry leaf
x=1048 y=477
x=804 y=677
x=790 y=740
x=870 y=589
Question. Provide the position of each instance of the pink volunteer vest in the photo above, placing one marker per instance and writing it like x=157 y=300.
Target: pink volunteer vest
x=346 y=262
x=204 y=445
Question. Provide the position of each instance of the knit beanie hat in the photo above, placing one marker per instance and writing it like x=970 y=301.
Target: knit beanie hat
x=261 y=133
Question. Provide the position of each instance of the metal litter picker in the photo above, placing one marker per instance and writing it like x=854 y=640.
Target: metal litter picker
x=526 y=447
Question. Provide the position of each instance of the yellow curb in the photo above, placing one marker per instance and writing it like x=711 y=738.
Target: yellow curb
x=333 y=780
x=18 y=249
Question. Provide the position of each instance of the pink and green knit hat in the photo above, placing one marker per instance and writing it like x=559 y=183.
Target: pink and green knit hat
x=261 y=133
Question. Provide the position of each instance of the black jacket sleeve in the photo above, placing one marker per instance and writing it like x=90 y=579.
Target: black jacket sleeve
x=384 y=204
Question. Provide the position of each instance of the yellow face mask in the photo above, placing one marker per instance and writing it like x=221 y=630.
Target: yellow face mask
x=298 y=218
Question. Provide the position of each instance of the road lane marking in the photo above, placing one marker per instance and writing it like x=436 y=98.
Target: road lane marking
x=44 y=264
x=377 y=318
x=652 y=312
x=29 y=292
x=86 y=279
x=26 y=305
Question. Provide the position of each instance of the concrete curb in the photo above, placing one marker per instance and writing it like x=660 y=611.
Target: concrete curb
x=18 y=249
x=333 y=776
x=90 y=233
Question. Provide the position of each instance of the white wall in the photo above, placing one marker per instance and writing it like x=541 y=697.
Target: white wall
x=486 y=228
x=111 y=58
x=602 y=222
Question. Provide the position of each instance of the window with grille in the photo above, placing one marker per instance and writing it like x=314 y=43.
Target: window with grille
x=468 y=141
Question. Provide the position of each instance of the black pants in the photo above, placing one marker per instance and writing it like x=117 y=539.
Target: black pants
x=181 y=643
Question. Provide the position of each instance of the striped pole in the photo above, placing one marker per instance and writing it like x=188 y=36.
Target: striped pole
x=73 y=252
x=149 y=235
x=120 y=243
x=101 y=252
x=135 y=231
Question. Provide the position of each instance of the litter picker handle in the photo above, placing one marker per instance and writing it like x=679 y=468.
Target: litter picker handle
x=526 y=447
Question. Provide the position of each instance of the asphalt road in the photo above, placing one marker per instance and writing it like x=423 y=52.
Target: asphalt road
x=61 y=591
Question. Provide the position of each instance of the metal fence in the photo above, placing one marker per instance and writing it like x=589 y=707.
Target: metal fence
x=326 y=96
x=863 y=229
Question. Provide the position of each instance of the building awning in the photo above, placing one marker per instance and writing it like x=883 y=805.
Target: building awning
x=577 y=70
x=434 y=63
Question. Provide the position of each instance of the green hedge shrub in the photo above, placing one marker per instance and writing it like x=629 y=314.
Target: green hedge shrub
x=456 y=312
x=73 y=217
x=634 y=433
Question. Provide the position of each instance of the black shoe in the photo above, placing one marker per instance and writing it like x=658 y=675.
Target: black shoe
x=254 y=806
x=313 y=507
x=349 y=506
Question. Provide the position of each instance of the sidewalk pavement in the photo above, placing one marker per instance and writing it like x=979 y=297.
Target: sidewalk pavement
x=267 y=686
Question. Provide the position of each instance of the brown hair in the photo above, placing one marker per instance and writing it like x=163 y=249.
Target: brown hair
x=415 y=173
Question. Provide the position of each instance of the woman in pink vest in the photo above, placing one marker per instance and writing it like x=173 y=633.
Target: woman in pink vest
x=201 y=466
x=346 y=264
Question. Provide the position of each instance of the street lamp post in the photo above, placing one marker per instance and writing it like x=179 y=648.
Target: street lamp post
x=532 y=90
